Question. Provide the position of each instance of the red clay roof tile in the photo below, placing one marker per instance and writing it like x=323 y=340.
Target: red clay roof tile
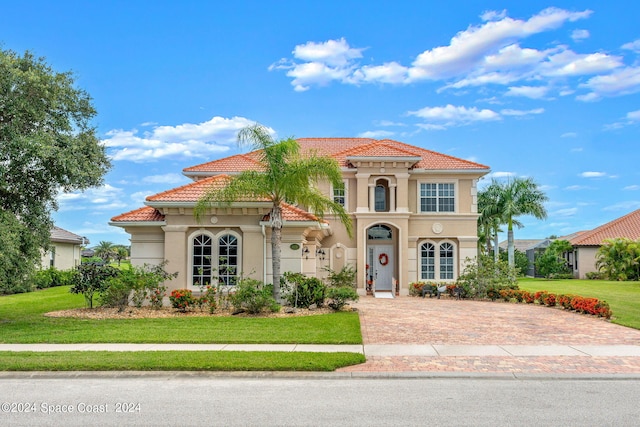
x=145 y=214
x=627 y=226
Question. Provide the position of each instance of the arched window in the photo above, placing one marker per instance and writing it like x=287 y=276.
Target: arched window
x=437 y=264
x=446 y=261
x=379 y=232
x=215 y=257
x=228 y=259
x=202 y=252
x=428 y=261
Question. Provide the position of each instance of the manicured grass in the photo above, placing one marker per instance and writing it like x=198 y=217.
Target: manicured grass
x=22 y=321
x=176 y=361
x=623 y=297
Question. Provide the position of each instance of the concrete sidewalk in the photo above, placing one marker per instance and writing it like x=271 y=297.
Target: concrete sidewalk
x=369 y=350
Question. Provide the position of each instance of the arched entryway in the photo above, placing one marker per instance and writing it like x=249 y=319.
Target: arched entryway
x=381 y=255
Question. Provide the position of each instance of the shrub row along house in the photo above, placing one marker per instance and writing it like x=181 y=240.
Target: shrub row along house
x=414 y=214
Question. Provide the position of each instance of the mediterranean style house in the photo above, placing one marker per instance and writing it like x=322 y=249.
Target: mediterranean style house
x=414 y=217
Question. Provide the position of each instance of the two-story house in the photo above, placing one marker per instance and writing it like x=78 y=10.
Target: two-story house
x=414 y=215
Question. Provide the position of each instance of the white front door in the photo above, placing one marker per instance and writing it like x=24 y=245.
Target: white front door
x=382 y=264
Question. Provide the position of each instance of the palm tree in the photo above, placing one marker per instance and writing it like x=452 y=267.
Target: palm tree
x=520 y=196
x=286 y=177
x=105 y=250
x=490 y=217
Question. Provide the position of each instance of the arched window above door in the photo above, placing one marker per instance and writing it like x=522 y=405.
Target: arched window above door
x=379 y=232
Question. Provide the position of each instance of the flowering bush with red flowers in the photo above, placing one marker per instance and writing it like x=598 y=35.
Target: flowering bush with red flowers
x=182 y=299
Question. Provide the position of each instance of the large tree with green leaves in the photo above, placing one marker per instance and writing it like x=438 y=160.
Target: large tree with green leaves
x=47 y=146
x=287 y=176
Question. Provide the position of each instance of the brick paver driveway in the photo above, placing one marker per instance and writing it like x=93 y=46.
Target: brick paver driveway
x=408 y=320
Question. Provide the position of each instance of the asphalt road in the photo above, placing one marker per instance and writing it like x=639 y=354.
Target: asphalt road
x=193 y=400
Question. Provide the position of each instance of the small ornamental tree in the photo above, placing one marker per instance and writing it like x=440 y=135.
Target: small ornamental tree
x=619 y=259
x=91 y=279
x=550 y=263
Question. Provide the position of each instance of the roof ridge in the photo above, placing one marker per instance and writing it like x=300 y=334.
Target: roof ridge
x=200 y=182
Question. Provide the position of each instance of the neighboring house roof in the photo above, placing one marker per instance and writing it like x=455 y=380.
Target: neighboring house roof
x=523 y=245
x=59 y=235
x=343 y=149
x=627 y=226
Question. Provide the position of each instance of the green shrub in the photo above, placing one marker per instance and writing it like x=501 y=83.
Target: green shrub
x=253 y=296
x=116 y=293
x=344 y=277
x=595 y=275
x=301 y=291
x=484 y=278
x=51 y=277
x=338 y=297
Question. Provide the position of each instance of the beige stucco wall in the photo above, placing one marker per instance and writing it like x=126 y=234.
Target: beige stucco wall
x=586 y=258
x=65 y=256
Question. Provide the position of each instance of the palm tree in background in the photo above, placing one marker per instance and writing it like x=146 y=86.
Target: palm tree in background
x=517 y=197
x=105 y=250
x=286 y=177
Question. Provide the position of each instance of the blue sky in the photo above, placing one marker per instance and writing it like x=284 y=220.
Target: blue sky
x=543 y=90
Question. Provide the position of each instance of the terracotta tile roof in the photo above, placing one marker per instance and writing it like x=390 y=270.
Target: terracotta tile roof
x=236 y=163
x=145 y=214
x=340 y=149
x=293 y=213
x=626 y=226
x=190 y=192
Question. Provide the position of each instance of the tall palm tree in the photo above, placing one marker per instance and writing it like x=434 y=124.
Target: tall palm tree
x=520 y=196
x=490 y=217
x=286 y=177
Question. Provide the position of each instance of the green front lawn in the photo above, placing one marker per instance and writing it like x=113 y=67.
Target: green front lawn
x=22 y=320
x=623 y=297
x=176 y=361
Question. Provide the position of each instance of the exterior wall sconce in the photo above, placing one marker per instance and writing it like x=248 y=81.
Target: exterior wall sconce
x=320 y=254
x=305 y=252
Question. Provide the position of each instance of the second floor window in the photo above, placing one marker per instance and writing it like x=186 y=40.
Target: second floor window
x=339 y=196
x=380 y=199
x=437 y=197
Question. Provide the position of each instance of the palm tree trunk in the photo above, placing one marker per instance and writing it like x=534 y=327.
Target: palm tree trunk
x=276 y=250
x=510 y=248
x=496 y=248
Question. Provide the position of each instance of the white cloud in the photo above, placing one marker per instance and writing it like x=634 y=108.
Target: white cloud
x=429 y=126
x=168 y=178
x=632 y=187
x=519 y=113
x=633 y=116
x=634 y=46
x=628 y=205
x=620 y=82
x=577 y=150
x=468 y=48
x=533 y=92
x=376 y=134
x=99 y=198
x=579 y=35
x=187 y=140
x=139 y=197
x=502 y=174
x=451 y=115
x=388 y=123
x=592 y=174
x=577 y=187
x=488 y=53
x=565 y=212
x=493 y=15
x=569 y=135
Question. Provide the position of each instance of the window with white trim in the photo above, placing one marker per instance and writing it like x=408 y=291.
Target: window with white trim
x=215 y=257
x=437 y=262
x=428 y=261
x=446 y=261
x=437 y=197
x=340 y=195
